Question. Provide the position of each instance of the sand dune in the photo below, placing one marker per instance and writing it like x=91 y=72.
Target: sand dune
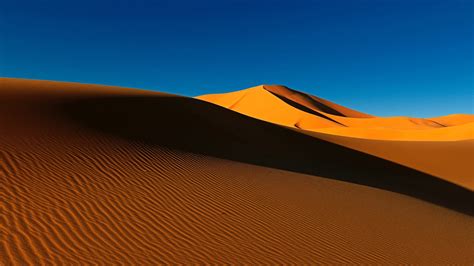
x=451 y=133
x=259 y=103
x=454 y=120
x=104 y=175
x=284 y=106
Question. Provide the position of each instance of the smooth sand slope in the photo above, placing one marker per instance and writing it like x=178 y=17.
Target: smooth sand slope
x=95 y=174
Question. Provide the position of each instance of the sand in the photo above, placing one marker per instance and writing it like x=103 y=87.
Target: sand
x=284 y=106
x=451 y=133
x=448 y=160
x=105 y=175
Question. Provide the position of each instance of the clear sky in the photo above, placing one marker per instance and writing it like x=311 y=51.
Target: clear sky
x=385 y=57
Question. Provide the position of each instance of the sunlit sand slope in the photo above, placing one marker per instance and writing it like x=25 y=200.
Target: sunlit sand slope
x=102 y=175
x=284 y=106
x=451 y=133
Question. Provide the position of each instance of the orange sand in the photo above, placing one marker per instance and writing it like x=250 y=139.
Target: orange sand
x=448 y=160
x=104 y=175
x=283 y=106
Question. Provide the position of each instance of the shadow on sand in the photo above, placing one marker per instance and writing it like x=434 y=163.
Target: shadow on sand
x=203 y=128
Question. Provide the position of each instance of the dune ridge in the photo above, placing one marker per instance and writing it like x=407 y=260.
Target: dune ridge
x=106 y=175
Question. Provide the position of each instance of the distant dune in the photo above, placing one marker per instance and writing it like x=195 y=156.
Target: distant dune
x=284 y=106
x=95 y=174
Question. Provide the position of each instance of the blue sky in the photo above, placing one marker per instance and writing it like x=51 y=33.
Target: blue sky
x=385 y=57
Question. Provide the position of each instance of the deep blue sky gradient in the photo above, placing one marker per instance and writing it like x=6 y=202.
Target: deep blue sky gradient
x=385 y=57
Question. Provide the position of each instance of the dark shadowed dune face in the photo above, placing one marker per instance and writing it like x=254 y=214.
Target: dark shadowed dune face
x=299 y=99
x=308 y=110
x=199 y=127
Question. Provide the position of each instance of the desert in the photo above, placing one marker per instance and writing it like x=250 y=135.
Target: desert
x=94 y=174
